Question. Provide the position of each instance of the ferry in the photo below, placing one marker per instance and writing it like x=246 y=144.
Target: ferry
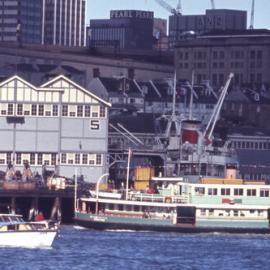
x=15 y=232
x=213 y=205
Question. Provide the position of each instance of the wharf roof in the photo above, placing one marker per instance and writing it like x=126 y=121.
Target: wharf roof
x=242 y=32
x=249 y=131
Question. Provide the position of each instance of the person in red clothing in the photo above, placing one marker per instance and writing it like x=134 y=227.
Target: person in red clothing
x=39 y=216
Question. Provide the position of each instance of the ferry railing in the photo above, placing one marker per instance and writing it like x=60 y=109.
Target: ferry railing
x=147 y=197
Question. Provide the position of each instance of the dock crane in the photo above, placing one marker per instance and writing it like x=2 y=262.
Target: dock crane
x=252 y=15
x=215 y=115
x=174 y=11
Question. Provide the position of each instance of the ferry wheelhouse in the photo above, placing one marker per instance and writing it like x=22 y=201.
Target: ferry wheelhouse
x=217 y=205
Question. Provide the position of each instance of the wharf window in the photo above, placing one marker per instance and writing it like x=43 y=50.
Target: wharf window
x=39 y=159
x=64 y=158
x=212 y=191
x=87 y=111
x=41 y=110
x=251 y=192
x=18 y=158
x=70 y=158
x=102 y=111
x=3 y=109
x=79 y=110
x=10 y=109
x=26 y=109
x=225 y=191
x=65 y=110
x=199 y=190
x=264 y=193
x=53 y=159
x=8 y=158
x=2 y=158
x=98 y=159
x=91 y=159
x=34 y=109
x=55 y=110
x=48 y=110
x=32 y=158
x=238 y=192
x=19 y=109
x=77 y=159
x=95 y=110
x=84 y=159
x=72 y=111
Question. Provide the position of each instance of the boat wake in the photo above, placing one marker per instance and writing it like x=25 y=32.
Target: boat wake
x=79 y=228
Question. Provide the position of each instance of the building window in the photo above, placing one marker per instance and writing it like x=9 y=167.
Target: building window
x=19 y=109
x=87 y=111
x=80 y=111
x=10 y=109
x=39 y=159
x=64 y=158
x=65 y=110
x=55 y=110
x=40 y=109
x=34 y=109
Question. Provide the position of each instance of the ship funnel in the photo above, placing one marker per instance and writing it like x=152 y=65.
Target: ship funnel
x=190 y=131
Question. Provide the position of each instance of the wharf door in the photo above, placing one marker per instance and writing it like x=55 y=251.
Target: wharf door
x=186 y=215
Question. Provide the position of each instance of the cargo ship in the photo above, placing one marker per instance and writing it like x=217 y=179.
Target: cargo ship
x=175 y=205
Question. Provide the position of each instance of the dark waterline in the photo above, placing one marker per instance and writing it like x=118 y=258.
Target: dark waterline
x=88 y=249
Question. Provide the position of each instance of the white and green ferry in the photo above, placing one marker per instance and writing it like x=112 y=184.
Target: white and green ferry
x=179 y=206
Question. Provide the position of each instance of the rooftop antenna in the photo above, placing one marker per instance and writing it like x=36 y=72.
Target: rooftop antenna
x=252 y=15
x=213 y=4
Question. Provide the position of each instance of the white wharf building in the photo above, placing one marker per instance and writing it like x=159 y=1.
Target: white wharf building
x=59 y=124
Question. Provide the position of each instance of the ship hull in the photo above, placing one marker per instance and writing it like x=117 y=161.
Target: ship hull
x=180 y=228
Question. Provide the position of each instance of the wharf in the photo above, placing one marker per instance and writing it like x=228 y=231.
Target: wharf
x=58 y=203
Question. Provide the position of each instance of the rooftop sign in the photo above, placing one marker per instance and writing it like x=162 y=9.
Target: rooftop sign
x=131 y=14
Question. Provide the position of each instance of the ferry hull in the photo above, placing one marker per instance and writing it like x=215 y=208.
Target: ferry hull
x=28 y=239
x=180 y=228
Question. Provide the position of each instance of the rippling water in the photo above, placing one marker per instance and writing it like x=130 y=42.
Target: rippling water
x=87 y=249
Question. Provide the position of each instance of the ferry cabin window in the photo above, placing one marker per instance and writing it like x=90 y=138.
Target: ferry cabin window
x=111 y=206
x=199 y=190
x=136 y=208
x=251 y=192
x=225 y=191
x=203 y=212
x=238 y=192
x=212 y=191
x=121 y=207
x=264 y=193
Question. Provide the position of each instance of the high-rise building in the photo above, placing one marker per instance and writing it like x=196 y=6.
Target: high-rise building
x=126 y=29
x=180 y=26
x=54 y=22
x=20 y=21
x=63 y=22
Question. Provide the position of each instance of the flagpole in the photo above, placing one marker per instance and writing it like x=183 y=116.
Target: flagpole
x=128 y=166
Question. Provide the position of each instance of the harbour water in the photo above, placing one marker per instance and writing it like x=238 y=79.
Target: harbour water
x=87 y=249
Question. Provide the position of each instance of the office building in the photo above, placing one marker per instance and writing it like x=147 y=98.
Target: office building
x=54 y=22
x=213 y=56
x=126 y=29
x=20 y=20
x=182 y=27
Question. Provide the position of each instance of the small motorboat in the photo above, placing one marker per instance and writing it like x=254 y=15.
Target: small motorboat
x=15 y=232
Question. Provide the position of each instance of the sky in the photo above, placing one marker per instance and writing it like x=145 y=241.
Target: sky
x=100 y=9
